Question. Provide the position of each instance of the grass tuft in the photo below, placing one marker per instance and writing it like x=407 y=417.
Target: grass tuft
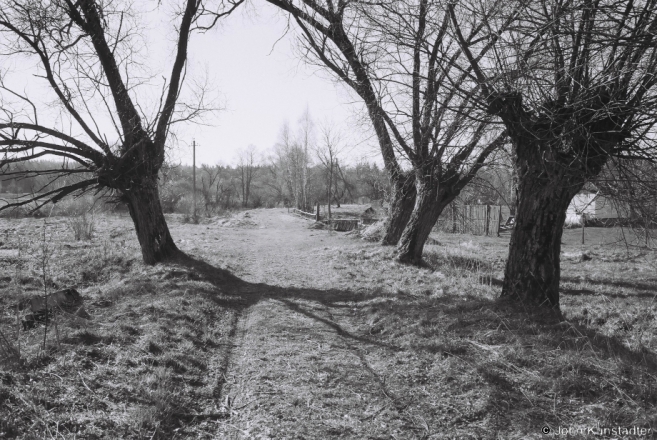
x=83 y=226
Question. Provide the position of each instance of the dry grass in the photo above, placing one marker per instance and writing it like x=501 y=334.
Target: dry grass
x=322 y=336
x=83 y=226
x=146 y=365
x=375 y=349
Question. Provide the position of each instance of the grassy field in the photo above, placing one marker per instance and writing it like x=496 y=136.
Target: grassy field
x=266 y=328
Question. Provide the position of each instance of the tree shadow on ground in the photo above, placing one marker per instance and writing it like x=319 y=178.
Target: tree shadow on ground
x=459 y=263
x=589 y=292
x=239 y=294
x=467 y=309
x=490 y=336
x=647 y=285
x=567 y=360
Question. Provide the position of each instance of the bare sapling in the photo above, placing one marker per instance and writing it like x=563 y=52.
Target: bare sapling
x=44 y=263
x=17 y=283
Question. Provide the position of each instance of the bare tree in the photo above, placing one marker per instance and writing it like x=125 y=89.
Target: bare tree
x=293 y=159
x=275 y=179
x=248 y=167
x=370 y=179
x=210 y=187
x=400 y=59
x=341 y=185
x=86 y=52
x=574 y=84
x=327 y=37
x=328 y=150
x=306 y=139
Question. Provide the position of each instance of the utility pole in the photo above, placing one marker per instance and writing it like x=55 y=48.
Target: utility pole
x=194 y=175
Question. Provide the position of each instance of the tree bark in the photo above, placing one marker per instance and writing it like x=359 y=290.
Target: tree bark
x=551 y=169
x=151 y=227
x=532 y=270
x=546 y=185
x=432 y=198
x=400 y=210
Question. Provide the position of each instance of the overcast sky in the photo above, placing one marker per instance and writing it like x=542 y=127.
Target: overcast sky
x=263 y=83
x=251 y=63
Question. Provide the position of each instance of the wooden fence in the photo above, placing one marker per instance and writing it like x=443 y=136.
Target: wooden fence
x=473 y=219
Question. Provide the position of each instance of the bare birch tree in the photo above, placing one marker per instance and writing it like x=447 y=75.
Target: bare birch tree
x=293 y=159
x=306 y=139
x=328 y=150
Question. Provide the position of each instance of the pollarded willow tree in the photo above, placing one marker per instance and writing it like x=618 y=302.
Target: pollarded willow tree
x=86 y=54
x=574 y=83
x=399 y=57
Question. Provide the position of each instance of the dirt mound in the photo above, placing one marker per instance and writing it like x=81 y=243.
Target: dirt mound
x=576 y=256
x=239 y=220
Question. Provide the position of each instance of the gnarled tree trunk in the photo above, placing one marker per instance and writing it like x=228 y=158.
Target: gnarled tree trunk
x=151 y=227
x=547 y=182
x=433 y=195
x=400 y=210
x=422 y=219
x=532 y=270
x=555 y=156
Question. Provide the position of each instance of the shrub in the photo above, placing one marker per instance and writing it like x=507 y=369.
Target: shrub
x=83 y=226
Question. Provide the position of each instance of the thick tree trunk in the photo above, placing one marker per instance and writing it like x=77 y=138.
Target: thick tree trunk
x=555 y=155
x=532 y=270
x=151 y=227
x=431 y=200
x=401 y=208
x=513 y=196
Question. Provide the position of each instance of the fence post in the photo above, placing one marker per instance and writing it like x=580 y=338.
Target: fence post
x=583 y=225
x=317 y=214
x=487 y=221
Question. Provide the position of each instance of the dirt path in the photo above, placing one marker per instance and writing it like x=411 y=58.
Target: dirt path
x=280 y=250
x=297 y=370
x=265 y=328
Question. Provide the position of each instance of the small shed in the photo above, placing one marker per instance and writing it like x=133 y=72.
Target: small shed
x=595 y=206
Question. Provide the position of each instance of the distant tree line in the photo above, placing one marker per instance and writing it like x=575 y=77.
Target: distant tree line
x=34 y=177
x=226 y=187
